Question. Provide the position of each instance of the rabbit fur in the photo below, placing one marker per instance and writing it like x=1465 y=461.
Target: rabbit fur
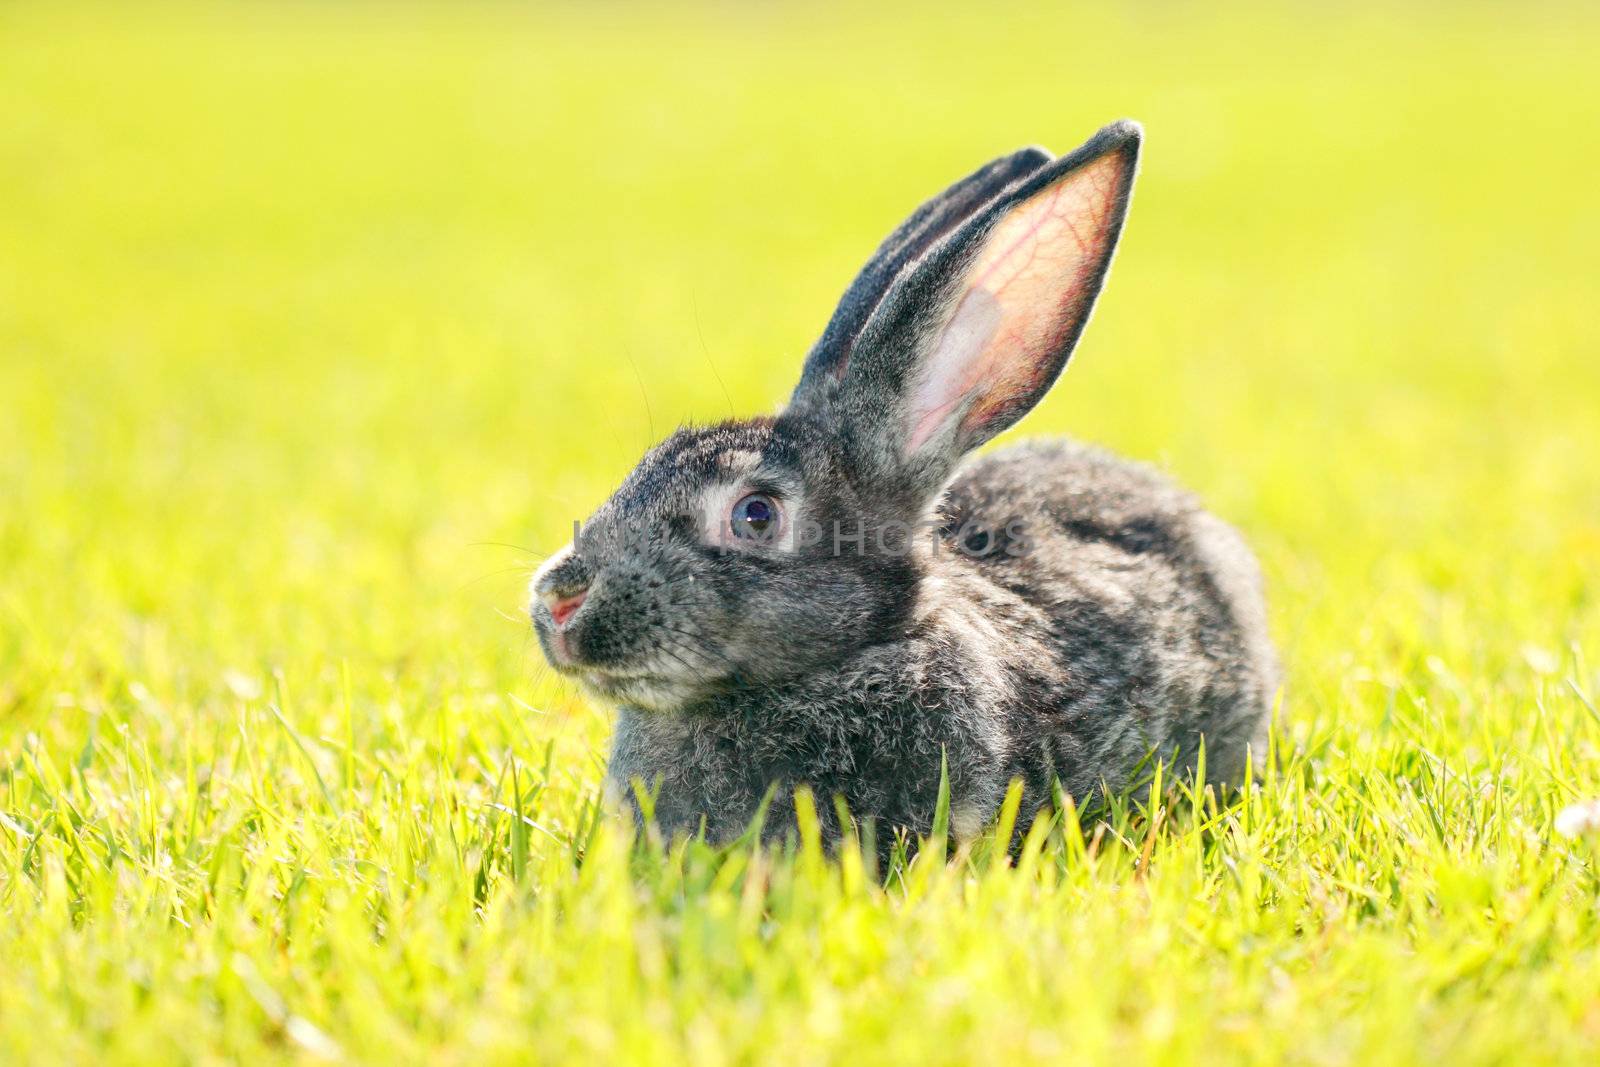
x=842 y=597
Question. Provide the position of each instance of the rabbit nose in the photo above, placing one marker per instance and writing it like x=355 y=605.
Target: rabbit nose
x=564 y=603
x=562 y=585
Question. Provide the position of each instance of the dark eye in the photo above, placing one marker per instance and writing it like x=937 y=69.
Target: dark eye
x=755 y=518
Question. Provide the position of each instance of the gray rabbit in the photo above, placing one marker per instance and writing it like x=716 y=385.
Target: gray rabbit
x=836 y=597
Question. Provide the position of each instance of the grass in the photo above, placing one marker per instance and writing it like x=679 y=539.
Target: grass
x=309 y=314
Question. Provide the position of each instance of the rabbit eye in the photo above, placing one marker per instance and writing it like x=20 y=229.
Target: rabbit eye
x=755 y=518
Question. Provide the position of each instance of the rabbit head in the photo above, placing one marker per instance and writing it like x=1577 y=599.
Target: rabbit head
x=739 y=554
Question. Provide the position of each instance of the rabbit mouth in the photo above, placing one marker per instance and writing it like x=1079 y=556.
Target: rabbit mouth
x=650 y=680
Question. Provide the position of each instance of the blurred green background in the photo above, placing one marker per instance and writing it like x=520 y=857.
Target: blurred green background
x=301 y=303
x=318 y=323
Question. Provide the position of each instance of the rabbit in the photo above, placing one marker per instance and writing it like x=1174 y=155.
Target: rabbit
x=840 y=597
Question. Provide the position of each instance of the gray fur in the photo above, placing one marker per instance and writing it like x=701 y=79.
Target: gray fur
x=1108 y=618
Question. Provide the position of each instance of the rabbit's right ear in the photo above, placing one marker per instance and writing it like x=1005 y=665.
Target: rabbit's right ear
x=831 y=354
x=977 y=326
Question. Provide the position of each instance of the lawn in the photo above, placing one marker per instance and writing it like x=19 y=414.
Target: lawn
x=320 y=324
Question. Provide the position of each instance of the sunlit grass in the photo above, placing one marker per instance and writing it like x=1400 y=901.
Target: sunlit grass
x=309 y=318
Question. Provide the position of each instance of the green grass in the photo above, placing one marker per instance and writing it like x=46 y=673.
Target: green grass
x=307 y=313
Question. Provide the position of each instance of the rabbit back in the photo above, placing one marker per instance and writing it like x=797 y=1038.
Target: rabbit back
x=1139 y=615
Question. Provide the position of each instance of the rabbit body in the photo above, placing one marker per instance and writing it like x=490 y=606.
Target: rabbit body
x=1134 y=625
x=841 y=597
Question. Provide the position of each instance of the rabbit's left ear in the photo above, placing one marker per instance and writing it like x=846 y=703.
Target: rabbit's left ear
x=973 y=334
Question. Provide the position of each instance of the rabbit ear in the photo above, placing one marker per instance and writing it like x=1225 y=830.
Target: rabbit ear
x=830 y=355
x=975 y=332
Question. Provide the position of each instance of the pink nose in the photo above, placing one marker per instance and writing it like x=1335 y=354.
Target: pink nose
x=562 y=607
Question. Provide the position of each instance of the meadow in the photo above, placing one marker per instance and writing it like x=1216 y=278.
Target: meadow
x=320 y=324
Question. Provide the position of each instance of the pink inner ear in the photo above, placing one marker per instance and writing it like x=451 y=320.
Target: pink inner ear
x=1026 y=293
